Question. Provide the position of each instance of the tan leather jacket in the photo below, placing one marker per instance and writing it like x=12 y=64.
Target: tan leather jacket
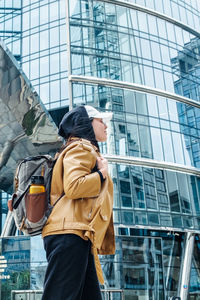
x=86 y=207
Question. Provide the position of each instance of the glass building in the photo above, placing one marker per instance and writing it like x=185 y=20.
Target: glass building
x=140 y=59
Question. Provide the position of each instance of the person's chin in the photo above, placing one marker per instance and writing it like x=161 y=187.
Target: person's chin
x=102 y=140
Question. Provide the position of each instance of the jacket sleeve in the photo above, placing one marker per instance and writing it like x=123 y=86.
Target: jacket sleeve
x=79 y=182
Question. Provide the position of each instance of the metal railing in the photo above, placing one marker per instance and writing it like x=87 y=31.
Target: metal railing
x=113 y=294
x=107 y=294
x=26 y=295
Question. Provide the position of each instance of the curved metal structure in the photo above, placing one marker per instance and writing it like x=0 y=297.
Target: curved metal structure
x=133 y=87
x=151 y=163
x=26 y=128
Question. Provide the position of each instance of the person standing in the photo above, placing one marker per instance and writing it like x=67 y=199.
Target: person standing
x=81 y=223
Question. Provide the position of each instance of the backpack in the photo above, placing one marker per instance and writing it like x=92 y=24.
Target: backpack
x=30 y=211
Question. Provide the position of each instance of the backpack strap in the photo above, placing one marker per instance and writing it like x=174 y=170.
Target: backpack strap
x=59 y=198
x=20 y=198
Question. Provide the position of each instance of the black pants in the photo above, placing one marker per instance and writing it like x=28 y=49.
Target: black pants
x=71 y=273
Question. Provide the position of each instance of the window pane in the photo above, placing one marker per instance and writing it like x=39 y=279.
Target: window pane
x=157 y=143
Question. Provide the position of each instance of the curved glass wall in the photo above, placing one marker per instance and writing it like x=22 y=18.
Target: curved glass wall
x=115 y=42
x=145 y=125
x=152 y=197
x=183 y=10
x=124 y=42
x=44 y=57
x=11 y=26
x=40 y=46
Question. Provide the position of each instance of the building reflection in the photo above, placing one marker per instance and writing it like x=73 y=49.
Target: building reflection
x=16 y=275
x=26 y=127
x=154 y=209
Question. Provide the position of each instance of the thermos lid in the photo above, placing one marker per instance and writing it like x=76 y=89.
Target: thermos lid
x=37 y=180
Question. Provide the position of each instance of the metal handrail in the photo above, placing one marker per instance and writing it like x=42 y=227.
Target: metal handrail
x=107 y=292
x=152 y=163
x=110 y=292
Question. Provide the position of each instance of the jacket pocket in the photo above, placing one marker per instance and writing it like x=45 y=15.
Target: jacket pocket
x=103 y=214
x=95 y=207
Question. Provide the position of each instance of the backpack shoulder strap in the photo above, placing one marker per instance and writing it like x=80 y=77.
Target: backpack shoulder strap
x=16 y=204
x=59 y=198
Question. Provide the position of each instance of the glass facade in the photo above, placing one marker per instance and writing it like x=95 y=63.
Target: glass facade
x=39 y=45
x=88 y=52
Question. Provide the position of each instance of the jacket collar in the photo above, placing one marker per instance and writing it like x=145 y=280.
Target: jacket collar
x=81 y=140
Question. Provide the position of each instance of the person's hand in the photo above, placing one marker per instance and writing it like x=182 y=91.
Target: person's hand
x=102 y=165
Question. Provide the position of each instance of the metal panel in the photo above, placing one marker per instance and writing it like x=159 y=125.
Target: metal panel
x=26 y=127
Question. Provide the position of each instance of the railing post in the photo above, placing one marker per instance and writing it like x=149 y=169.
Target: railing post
x=186 y=264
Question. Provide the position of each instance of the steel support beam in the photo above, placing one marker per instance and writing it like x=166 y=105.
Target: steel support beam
x=152 y=163
x=132 y=86
x=184 y=279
